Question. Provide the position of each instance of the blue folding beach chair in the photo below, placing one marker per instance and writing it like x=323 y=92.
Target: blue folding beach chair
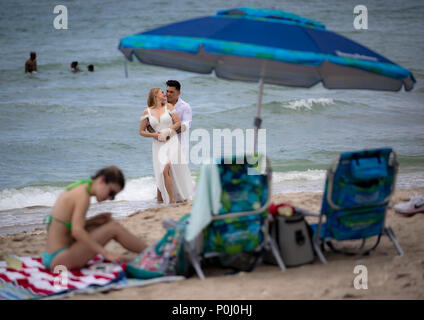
x=358 y=188
x=241 y=225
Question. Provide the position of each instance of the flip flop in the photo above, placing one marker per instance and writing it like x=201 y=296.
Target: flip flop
x=411 y=208
x=12 y=262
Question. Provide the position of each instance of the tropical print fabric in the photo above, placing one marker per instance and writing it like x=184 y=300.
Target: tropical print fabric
x=240 y=192
x=362 y=183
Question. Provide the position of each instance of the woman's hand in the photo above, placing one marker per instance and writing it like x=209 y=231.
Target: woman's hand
x=165 y=134
x=97 y=221
x=113 y=257
x=155 y=135
x=103 y=218
x=100 y=219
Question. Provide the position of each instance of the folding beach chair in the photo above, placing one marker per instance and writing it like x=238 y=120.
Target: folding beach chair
x=357 y=192
x=241 y=225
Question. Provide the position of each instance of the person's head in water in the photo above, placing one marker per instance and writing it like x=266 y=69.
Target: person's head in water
x=90 y=68
x=109 y=181
x=74 y=66
x=173 y=88
x=31 y=63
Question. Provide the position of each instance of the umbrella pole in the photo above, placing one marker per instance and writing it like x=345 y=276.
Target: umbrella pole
x=258 y=120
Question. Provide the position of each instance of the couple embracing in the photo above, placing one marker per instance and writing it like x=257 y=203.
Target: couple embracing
x=167 y=120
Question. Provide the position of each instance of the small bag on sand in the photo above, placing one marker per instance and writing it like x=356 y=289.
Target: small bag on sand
x=292 y=235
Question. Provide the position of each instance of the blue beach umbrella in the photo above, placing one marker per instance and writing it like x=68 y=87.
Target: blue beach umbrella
x=269 y=46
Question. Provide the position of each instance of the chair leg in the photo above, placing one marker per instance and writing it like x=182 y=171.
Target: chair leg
x=196 y=264
x=276 y=254
x=194 y=259
x=389 y=232
x=317 y=248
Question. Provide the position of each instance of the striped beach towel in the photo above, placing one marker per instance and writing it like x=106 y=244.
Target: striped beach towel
x=27 y=278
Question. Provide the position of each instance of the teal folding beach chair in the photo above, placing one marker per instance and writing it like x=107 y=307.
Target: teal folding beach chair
x=241 y=225
x=358 y=188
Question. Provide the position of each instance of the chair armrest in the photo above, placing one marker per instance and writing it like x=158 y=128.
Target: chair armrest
x=169 y=223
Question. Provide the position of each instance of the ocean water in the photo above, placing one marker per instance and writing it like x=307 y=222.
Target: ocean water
x=57 y=127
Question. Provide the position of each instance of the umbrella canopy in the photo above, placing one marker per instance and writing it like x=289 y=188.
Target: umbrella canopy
x=270 y=46
x=245 y=43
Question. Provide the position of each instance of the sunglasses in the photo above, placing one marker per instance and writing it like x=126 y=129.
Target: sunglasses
x=112 y=194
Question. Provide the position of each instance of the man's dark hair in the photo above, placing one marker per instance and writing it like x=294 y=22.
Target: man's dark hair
x=174 y=83
x=33 y=55
x=112 y=174
x=90 y=67
x=74 y=64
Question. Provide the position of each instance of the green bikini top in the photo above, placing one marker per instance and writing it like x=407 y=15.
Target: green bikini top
x=73 y=185
x=68 y=224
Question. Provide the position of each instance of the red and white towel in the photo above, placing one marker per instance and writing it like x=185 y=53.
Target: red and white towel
x=31 y=275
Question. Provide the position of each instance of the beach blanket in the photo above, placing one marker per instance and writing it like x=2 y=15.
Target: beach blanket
x=116 y=285
x=23 y=278
x=27 y=278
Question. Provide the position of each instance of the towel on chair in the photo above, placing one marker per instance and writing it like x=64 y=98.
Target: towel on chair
x=207 y=200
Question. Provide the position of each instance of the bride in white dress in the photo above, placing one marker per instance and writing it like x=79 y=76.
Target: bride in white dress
x=172 y=174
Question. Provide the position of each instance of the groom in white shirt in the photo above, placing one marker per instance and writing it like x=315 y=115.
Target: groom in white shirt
x=173 y=91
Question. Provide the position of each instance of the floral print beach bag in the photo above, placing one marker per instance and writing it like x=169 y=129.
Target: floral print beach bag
x=163 y=258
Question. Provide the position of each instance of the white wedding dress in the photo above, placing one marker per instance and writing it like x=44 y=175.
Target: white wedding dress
x=169 y=152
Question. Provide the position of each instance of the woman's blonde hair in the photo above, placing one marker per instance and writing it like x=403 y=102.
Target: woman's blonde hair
x=151 y=97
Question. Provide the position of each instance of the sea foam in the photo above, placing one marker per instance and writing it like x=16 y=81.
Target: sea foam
x=307 y=104
x=140 y=189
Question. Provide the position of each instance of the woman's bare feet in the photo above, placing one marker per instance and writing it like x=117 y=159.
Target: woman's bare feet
x=159 y=196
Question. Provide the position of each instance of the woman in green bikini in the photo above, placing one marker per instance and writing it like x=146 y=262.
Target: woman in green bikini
x=72 y=240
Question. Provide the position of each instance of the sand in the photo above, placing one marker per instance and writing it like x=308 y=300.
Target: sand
x=389 y=275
